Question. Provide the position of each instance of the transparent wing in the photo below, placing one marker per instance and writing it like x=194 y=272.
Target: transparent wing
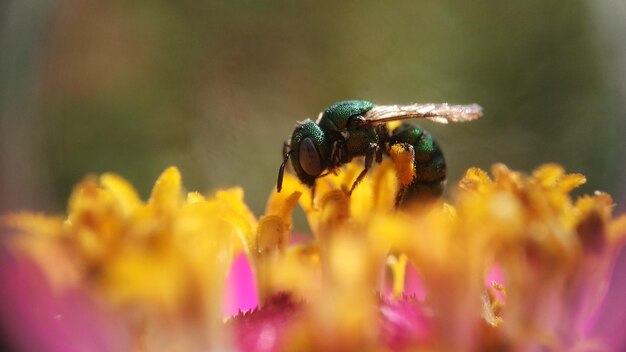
x=442 y=113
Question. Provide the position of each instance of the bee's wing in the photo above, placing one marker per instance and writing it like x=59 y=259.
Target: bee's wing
x=442 y=113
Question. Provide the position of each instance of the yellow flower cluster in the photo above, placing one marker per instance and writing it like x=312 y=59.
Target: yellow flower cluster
x=163 y=263
x=555 y=256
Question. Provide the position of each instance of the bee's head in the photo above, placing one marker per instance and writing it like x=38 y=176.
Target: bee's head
x=309 y=151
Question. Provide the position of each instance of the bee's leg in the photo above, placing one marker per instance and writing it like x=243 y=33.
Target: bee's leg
x=281 y=172
x=286 y=147
x=336 y=154
x=374 y=149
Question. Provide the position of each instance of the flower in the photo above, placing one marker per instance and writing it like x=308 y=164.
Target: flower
x=514 y=264
x=160 y=264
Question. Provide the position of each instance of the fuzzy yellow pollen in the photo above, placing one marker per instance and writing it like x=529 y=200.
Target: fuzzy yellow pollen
x=403 y=157
x=475 y=179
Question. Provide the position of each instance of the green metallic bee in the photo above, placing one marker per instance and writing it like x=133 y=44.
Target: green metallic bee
x=348 y=129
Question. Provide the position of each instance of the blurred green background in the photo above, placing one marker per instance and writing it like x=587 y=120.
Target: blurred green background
x=215 y=87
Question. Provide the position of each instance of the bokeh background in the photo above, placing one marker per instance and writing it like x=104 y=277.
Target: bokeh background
x=215 y=87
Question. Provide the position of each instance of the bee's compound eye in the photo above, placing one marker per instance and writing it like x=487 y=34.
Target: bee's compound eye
x=310 y=157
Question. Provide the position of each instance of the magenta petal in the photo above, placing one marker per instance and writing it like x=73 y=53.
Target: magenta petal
x=403 y=323
x=413 y=285
x=495 y=275
x=263 y=329
x=240 y=287
x=33 y=318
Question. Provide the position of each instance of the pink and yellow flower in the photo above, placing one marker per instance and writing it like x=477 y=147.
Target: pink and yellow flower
x=160 y=267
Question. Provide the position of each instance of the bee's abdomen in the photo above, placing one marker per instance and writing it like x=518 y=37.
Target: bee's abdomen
x=429 y=163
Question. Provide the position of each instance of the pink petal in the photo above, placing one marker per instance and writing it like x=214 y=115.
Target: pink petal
x=241 y=293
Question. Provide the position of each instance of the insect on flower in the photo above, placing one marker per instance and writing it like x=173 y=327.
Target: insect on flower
x=353 y=128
